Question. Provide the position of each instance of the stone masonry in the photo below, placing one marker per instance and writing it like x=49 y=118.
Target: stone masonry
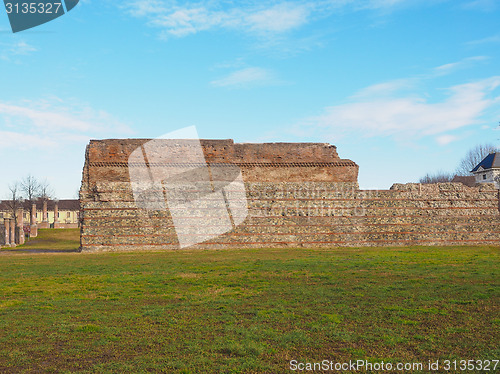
x=298 y=194
x=12 y=233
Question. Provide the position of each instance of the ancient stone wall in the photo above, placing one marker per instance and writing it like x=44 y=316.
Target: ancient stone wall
x=298 y=195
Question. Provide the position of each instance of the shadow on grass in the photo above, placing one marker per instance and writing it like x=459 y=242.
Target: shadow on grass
x=25 y=250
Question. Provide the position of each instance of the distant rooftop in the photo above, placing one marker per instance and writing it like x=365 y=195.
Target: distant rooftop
x=67 y=204
x=468 y=180
x=489 y=162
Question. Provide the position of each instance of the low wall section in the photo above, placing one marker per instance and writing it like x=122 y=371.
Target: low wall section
x=312 y=215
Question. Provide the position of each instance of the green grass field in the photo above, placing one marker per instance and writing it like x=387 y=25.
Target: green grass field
x=245 y=311
x=49 y=240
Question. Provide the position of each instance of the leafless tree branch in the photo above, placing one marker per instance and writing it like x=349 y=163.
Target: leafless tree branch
x=473 y=157
x=15 y=200
x=439 y=177
x=31 y=188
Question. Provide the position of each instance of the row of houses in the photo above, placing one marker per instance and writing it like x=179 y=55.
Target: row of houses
x=21 y=220
x=65 y=213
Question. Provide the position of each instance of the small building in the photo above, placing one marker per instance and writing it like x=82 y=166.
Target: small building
x=488 y=170
x=466 y=180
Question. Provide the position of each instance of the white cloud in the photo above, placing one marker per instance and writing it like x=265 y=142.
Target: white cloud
x=43 y=121
x=179 y=19
x=245 y=77
x=19 y=48
x=454 y=66
x=279 y=18
x=482 y=5
x=24 y=141
x=176 y=20
x=490 y=39
x=411 y=115
x=385 y=89
x=446 y=139
x=403 y=109
x=378 y=4
x=383 y=6
x=272 y=22
x=182 y=22
x=140 y=8
x=22 y=48
x=46 y=121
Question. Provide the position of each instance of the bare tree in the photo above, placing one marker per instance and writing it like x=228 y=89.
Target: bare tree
x=46 y=192
x=439 y=177
x=474 y=157
x=34 y=190
x=31 y=188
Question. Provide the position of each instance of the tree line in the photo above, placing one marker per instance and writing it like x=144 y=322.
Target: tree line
x=26 y=192
x=473 y=157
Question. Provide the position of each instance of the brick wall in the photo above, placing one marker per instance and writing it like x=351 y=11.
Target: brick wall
x=299 y=195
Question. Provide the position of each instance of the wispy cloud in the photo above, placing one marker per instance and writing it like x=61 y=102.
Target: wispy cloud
x=54 y=120
x=261 y=18
x=274 y=27
x=45 y=121
x=140 y=8
x=399 y=87
x=383 y=4
x=488 y=40
x=278 y=18
x=382 y=110
x=385 y=89
x=19 y=48
x=22 y=48
x=482 y=5
x=182 y=20
x=186 y=21
x=446 y=139
x=246 y=77
x=24 y=141
x=462 y=64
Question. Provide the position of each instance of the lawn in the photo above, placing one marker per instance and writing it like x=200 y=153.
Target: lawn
x=50 y=240
x=246 y=311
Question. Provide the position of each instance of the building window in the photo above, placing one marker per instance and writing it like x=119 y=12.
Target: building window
x=68 y=215
x=484 y=176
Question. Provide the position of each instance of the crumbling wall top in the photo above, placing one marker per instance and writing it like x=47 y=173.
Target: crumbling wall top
x=119 y=150
x=108 y=160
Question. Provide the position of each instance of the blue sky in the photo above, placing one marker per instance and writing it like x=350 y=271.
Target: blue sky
x=402 y=87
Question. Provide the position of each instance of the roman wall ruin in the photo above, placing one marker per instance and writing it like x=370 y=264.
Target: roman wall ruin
x=297 y=195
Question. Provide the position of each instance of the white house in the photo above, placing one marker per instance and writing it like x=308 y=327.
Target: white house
x=488 y=170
